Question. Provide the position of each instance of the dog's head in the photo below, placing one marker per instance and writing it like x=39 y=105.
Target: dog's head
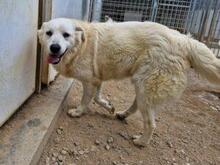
x=58 y=36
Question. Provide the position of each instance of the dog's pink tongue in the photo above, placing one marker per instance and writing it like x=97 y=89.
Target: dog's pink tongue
x=52 y=60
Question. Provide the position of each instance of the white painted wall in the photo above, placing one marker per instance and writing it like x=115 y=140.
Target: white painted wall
x=18 y=27
x=70 y=9
x=67 y=8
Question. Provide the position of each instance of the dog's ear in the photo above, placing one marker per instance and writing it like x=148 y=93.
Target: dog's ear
x=40 y=32
x=40 y=35
x=80 y=32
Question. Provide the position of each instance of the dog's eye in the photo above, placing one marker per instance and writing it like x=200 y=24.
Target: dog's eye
x=66 y=35
x=49 y=33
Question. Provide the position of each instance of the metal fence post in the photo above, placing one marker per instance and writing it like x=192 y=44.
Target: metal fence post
x=204 y=22
x=154 y=10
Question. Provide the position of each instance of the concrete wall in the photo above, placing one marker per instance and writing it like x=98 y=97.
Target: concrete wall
x=18 y=43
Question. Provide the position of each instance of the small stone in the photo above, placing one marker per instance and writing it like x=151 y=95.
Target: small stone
x=187 y=163
x=184 y=141
x=77 y=158
x=74 y=152
x=65 y=148
x=86 y=151
x=57 y=140
x=93 y=148
x=56 y=163
x=183 y=152
x=97 y=142
x=47 y=160
x=76 y=143
x=63 y=152
x=59 y=131
x=81 y=152
x=174 y=163
x=124 y=135
x=169 y=144
x=157 y=119
x=110 y=140
x=54 y=154
x=114 y=163
x=141 y=162
x=107 y=147
x=60 y=158
x=53 y=159
x=90 y=125
x=166 y=158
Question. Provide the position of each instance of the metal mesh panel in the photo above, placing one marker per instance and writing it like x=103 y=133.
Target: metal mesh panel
x=204 y=23
x=199 y=17
x=126 y=10
x=173 y=13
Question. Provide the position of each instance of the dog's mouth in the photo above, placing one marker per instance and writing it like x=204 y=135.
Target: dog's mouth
x=54 y=58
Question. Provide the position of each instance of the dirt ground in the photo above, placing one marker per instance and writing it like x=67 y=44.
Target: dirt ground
x=187 y=132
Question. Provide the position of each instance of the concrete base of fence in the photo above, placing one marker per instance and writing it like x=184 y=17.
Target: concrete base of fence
x=24 y=136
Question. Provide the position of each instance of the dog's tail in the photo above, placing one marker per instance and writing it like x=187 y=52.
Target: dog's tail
x=204 y=61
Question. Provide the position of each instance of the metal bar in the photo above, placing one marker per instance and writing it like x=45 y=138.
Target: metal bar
x=154 y=10
x=39 y=54
x=187 y=18
x=91 y=10
x=211 y=29
x=47 y=15
x=192 y=18
x=204 y=22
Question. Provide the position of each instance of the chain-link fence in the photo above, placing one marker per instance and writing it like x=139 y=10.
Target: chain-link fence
x=199 y=17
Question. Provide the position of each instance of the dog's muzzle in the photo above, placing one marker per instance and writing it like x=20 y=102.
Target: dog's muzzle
x=55 y=58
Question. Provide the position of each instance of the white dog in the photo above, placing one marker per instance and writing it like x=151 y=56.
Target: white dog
x=155 y=57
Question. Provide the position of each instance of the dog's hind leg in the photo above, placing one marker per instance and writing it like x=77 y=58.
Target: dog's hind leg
x=149 y=125
x=103 y=102
x=121 y=115
x=153 y=90
x=146 y=108
x=88 y=93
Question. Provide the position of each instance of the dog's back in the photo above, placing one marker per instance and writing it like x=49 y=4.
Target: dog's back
x=124 y=46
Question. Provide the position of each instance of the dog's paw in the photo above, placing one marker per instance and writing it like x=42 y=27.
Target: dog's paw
x=120 y=115
x=111 y=109
x=106 y=104
x=75 y=112
x=139 y=141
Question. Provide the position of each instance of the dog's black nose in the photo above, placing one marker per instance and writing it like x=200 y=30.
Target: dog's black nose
x=55 y=48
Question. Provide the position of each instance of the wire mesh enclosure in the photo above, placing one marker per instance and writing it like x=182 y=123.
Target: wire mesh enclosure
x=173 y=13
x=127 y=10
x=169 y=12
x=204 y=23
x=199 y=17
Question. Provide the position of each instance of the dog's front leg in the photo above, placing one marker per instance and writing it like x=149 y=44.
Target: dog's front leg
x=103 y=102
x=88 y=93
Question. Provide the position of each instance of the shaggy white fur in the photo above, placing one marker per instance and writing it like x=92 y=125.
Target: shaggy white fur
x=154 y=56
